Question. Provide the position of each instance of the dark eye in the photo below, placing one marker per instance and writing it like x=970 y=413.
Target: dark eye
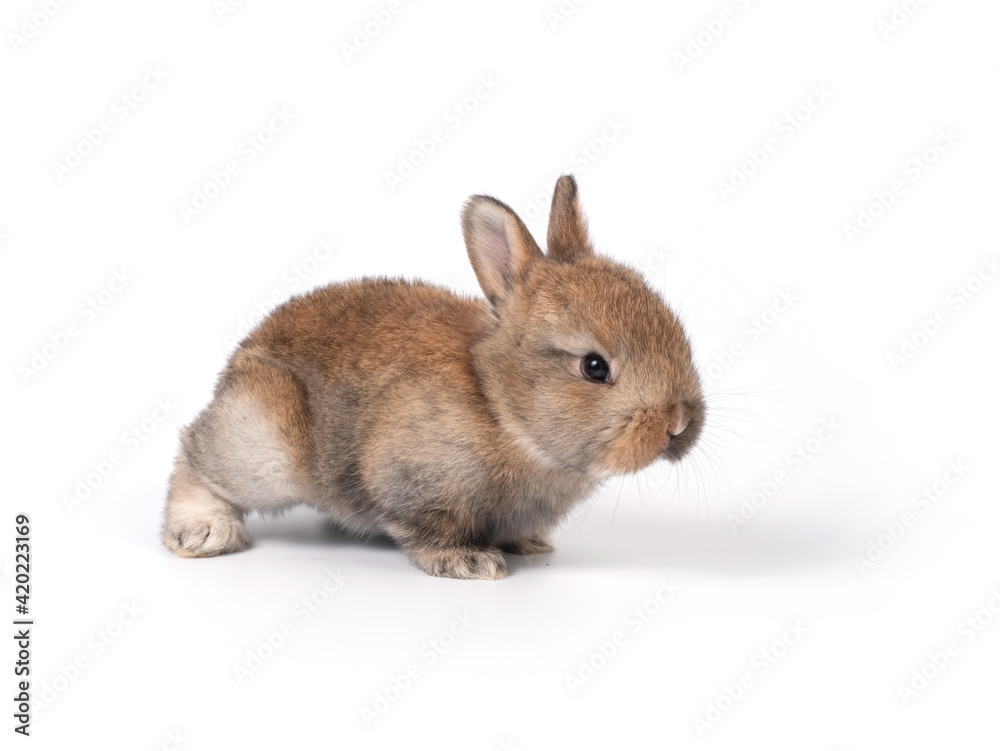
x=595 y=368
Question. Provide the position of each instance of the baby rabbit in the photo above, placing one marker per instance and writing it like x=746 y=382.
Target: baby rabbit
x=460 y=428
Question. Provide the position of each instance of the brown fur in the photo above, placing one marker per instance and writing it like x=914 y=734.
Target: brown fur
x=458 y=427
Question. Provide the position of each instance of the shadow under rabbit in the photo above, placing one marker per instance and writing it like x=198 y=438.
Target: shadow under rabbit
x=631 y=542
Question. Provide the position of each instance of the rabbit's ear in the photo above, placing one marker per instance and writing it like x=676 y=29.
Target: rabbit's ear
x=568 y=238
x=500 y=247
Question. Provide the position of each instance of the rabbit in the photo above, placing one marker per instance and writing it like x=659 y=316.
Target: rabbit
x=461 y=428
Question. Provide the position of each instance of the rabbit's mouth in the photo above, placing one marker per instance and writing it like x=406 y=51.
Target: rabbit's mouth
x=653 y=433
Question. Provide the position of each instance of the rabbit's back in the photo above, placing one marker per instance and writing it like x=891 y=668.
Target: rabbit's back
x=371 y=328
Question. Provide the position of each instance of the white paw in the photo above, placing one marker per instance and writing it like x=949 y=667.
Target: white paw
x=203 y=538
x=461 y=563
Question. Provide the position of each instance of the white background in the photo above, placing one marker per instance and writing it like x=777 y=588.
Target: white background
x=651 y=186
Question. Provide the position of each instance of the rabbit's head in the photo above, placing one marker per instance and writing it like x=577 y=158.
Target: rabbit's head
x=585 y=366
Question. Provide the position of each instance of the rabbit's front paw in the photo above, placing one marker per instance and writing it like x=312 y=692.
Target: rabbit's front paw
x=461 y=563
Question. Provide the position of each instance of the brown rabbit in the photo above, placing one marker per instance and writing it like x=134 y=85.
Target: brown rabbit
x=461 y=428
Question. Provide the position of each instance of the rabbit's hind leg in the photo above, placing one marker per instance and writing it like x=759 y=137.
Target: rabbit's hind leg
x=247 y=451
x=198 y=522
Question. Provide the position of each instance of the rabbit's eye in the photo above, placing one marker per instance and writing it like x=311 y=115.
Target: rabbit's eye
x=595 y=367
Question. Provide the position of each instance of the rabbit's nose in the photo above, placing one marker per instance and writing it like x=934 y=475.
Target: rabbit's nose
x=676 y=426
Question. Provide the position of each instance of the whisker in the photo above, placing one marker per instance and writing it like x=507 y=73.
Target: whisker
x=744 y=419
x=733 y=393
x=733 y=431
x=615 y=512
x=717 y=462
